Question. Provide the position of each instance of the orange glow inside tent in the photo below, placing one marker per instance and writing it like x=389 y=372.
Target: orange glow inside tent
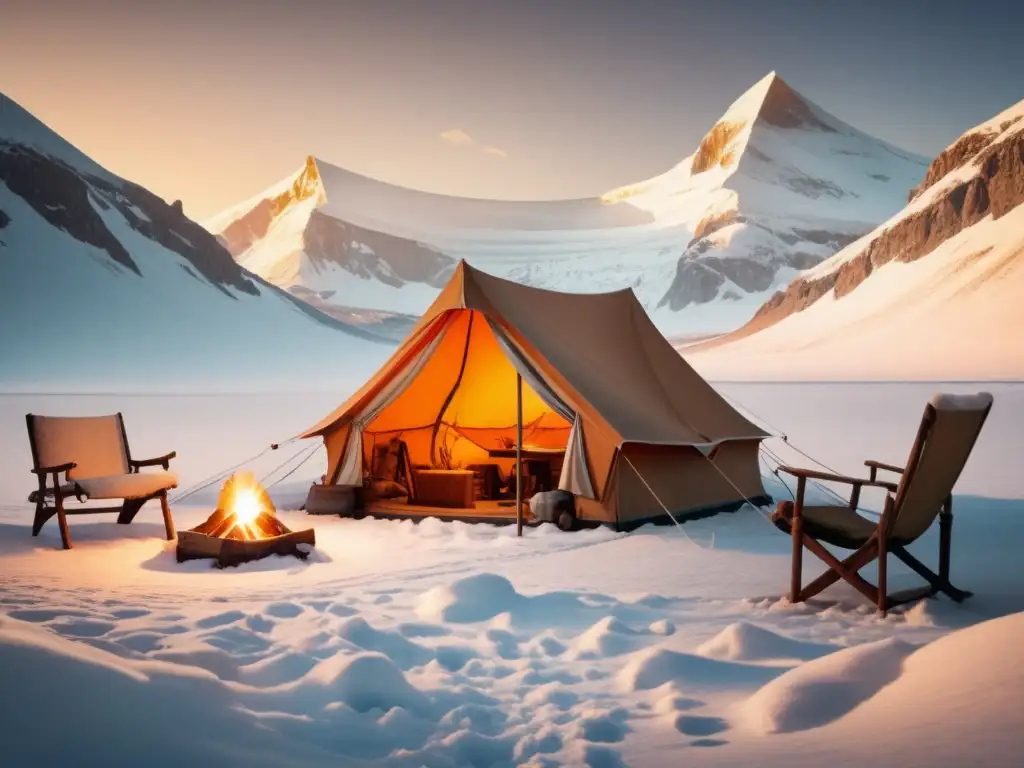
x=463 y=400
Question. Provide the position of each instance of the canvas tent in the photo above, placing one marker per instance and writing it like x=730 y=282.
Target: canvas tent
x=640 y=428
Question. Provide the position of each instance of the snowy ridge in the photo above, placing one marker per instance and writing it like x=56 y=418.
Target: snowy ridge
x=776 y=186
x=136 y=295
x=19 y=127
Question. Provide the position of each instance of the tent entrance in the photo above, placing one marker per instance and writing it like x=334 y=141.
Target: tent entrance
x=456 y=409
x=462 y=404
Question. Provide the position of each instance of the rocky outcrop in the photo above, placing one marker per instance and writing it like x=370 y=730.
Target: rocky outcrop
x=699 y=279
x=810 y=187
x=695 y=283
x=700 y=274
x=996 y=188
x=836 y=240
x=253 y=225
x=327 y=240
x=951 y=158
x=76 y=202
x=713 y=223
x=713 y=148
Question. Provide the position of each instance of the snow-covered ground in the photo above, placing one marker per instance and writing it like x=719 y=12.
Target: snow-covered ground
x=457 y=645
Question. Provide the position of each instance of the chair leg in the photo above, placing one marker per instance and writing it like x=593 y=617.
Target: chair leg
x=847 y=569
x=43 y=513
x=945 y=538
x=937 y=583
x=883 y=594
x=62 y=521
x=796 y=532
x=168 y=520
x=129 y=509
x=796 y=577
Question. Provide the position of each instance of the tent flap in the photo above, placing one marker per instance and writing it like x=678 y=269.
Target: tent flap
x=351 y=471
x=575 y=476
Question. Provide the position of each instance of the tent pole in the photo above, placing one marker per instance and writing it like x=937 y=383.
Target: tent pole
x=519 y=455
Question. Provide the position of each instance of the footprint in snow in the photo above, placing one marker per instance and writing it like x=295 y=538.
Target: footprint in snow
x=142 y=642
x=237 y=640
x=259 y=623
x=219 y=619
x=708 y=743
x=40 y=615
x=284 y=610
x=344 y=611
x=695 y=725
x=83 y=627
x=130 y=613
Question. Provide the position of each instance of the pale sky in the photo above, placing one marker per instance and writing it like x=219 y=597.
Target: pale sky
x=210 y=102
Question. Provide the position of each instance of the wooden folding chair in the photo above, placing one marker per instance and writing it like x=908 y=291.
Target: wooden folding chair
x=949 y=429
x=92 y=453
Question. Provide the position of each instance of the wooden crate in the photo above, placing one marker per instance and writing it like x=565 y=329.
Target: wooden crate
x=444 y=488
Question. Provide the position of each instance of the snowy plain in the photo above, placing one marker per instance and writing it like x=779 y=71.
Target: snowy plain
x=447 y=644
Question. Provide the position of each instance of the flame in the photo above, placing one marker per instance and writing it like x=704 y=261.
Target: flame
x=246 y=505
x=246 y=500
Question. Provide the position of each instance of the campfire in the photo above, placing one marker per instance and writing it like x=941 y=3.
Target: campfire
x=243 y=527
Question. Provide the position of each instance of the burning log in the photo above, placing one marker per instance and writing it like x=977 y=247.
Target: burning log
x=243 y=527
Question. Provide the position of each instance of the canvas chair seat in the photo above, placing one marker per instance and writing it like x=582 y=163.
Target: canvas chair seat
x=839 y=526
x=137 y=485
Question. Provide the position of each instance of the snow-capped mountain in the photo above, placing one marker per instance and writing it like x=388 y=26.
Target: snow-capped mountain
x=932 y=293
x=776 y=186
x=104 y=284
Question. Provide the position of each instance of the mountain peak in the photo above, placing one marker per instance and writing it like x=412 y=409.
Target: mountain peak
x=772 y=101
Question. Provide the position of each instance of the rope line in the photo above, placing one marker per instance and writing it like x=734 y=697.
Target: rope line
x=215 y=478
x=665 y=508
x=308 y=450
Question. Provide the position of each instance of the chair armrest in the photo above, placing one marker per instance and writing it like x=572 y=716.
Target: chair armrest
x=813 y=474
x=162 y=461
x=881 y=465
x=41 y=471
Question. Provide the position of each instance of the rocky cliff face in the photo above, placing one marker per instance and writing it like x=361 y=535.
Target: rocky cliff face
x=785 y=108
x=74 y=201
x=714 y=147
x=956 y=155
x=328 y=241
x=994 y=186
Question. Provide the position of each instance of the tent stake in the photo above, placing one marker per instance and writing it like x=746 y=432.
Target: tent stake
x=519 y=455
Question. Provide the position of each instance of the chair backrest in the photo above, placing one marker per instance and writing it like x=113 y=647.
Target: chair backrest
x=96 y=444
x=949 y=429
